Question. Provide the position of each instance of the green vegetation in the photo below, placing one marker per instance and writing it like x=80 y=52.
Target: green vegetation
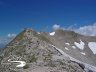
x=26 y=66
x=30 y=41
x=33 y=59
x=74 y=35
x=41 y=37
x=20 y=49
x=7 y=51
x=68 y=33
x=1 y=57
x=48 y=57
x=61 y=63
x=20 y=35
x=12 y=71
x=51 y=64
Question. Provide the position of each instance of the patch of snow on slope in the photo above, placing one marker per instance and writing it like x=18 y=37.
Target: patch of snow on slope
x=63 y=53
x=73 y=47
x=83 y=53
x=67 y=43
x=22 y=63
x=87 y=66
x=92 y=46
x=38 y=32
x=80 y=45
x=52 y=33
x=66 y=48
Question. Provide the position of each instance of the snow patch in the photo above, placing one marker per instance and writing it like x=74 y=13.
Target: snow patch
x=87 y=66
x=66 y=48
x=38 y=32
x=22 y=63
x=83 y=53
x=80 y=45
x=52 y=33
x=92 y=46
x=73 y=47
x=67 y=43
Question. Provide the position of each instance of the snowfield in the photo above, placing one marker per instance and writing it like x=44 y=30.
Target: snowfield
x=83 y=53
x=52 y=33
x=80 y=45
x=66 y=48
x=67 y=43
x=38 y=32
x=92 y=46
x=73 y=47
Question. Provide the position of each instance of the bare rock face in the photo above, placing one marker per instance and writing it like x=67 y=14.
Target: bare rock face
x=37 y=52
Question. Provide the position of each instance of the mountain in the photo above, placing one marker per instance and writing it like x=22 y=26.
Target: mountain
x=76 y=45
x=59 y=51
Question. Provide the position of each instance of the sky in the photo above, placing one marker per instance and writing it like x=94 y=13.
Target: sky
x=38 y=14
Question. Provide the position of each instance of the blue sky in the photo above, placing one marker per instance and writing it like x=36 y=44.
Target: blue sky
x=36 y=14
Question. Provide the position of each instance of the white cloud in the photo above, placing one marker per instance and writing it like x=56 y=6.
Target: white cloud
x=11 y=35
x=6 y=39
x=89 y=30
x=56 y=26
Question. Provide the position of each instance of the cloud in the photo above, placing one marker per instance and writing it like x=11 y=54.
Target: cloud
x=6 y=39
x=56 y=26
x=89 y=30
x=11 y=35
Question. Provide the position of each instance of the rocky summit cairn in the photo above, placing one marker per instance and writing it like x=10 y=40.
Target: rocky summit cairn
x=35 y=52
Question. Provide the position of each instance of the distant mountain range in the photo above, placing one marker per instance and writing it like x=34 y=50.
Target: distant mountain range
x=58 y=51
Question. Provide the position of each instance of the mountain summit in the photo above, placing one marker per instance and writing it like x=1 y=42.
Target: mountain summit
x=58 y=51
